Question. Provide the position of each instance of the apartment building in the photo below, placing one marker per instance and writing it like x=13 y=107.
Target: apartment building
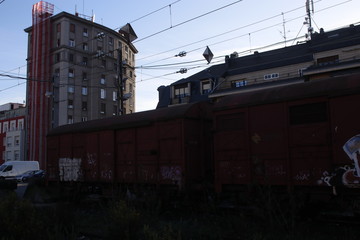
x=77 y=71
x=327 y=54
x=12 y=132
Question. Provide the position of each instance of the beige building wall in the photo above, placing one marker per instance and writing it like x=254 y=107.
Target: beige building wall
x=84 y=68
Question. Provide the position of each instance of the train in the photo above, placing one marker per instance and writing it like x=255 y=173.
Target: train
x=297 y=136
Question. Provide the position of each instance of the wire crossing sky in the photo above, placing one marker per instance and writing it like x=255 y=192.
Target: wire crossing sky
x=173 y=34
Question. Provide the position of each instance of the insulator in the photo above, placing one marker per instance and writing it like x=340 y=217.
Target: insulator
x=181 y=54
x=183 y=70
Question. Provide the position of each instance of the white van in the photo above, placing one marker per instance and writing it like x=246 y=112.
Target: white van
x=15 y=168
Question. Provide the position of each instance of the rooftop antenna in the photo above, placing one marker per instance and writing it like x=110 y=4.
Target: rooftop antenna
x=283 y=33
x=309 y=10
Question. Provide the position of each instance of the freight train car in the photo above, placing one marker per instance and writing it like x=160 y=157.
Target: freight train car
x=165 y=147
x=304 y=135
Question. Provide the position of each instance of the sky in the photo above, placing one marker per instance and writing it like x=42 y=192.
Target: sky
x=165 y=28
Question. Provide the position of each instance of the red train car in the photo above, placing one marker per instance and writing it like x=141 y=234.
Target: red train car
x=166 y=147
x=300 y=135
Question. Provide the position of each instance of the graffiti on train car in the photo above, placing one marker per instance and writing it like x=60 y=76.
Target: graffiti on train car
x=172 y=173
x=347 y=175
x=91 y=160
x=70 y=169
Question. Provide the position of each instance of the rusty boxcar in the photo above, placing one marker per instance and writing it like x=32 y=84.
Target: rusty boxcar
x=304 y=134
x=166 y=147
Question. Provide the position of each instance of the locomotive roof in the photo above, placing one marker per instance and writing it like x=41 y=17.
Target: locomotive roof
x=330 y=87
x=186 y=111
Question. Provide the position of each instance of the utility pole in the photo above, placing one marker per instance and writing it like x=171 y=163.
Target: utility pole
x=120 y=81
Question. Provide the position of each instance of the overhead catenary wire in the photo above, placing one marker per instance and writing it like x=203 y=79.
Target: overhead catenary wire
x=174 y=25
x=148 y=14
x=169 y=5
x=246 y=34
x=183 y=23
x=227 y=32
x=285 y=12
x=189 y=20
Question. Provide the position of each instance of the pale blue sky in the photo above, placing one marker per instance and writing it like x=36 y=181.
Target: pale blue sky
x=244 y=25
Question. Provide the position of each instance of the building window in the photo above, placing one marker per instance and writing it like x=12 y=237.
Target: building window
x=238 y=83
x=8 y=158
x=21 y=124
x=16 y=155
x=85 y=47
x=71 y=89
x=327 y=60
x=70 y=103
x=182 y=91
x=71 y=42
x=58 y=42
x=103 y=108
x=58 y=27
x=84 y=119
x=17 y=140
x=9 y=141
x=111 y=41
x=102 y=93
x=102 y=79
x=84 y=76
x=5 y=127
x=85 y=32
x=71 y=57
x=70 y=119
x=126 y=53
x=130 y=88
x=115 y=110
x=205 y=87
x=71 y=72
x=84 y=106
x=103 y=63
x=57 y=57
x=72 y=28
x=57 y=72
x=271 y=76
x=114 y=96
x=13 y=125
x=84 y=91
x=84 y=61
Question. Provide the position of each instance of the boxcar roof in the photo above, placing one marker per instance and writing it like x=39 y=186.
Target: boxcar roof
x=315 y=88
x=186 y=111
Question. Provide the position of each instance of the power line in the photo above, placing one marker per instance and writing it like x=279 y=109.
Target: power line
x=189 y=20
x=154 y=12
x=149 y=67
x=4 y=89
x=221 y=34
x=251 y=24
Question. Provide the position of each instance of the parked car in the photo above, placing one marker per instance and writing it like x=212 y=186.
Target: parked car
x=29 y=175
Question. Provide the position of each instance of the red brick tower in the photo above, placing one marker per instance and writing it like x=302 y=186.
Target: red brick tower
x=39 y=82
